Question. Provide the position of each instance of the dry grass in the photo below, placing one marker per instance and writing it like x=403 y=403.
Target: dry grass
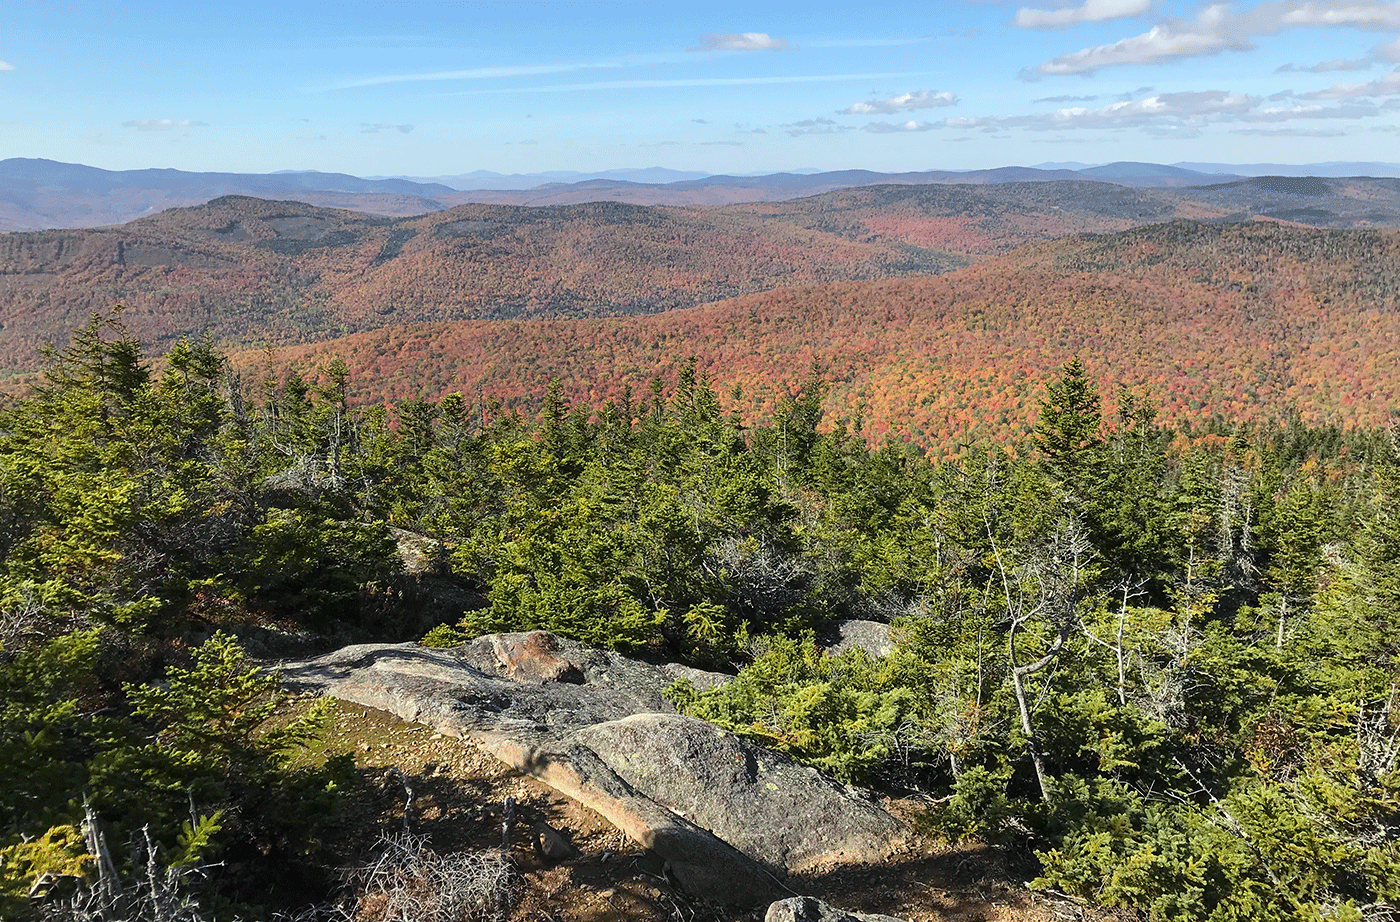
x=409 y=882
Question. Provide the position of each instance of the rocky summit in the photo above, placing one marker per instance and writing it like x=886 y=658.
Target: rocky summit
x=731 y=819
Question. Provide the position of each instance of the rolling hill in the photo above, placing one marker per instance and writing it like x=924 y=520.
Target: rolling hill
x=249 y=271
x=1244 y=320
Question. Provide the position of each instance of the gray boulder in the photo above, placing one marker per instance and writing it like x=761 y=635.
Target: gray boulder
x=786 y=815
x=871 y=636
x=810 y=909
x=532 y=657
x=730 y=818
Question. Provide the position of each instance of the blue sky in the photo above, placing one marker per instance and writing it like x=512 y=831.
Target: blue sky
x=418 y=88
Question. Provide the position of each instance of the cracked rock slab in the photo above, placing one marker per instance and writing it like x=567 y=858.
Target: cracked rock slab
x=730 y=818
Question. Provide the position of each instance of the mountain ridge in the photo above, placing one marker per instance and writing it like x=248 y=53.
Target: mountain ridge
x=1247 y=321
x=38 y=194
x=249 y=270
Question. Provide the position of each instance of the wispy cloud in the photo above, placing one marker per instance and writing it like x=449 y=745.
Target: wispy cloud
x=1361 y=15
x=1064 y=99
x=1323 y=67
x=1390 y=51
x=1179 y=115
x=919 y=99
x=1291 y=132
x=376 y=127
x=507 y=71
x=1134 y=94
x=1387 y=85
x=1167 y=109
x=163 y=124
x=1088 y=11
x=662 y=83
x=470 y=73
x=863 y=42
x=1218 y=28
x=6 y=65
x=900 y=127
x=740 y=41
x=814 y=126
x=1351 y=110
x=1169 y=41
x=1163 y=107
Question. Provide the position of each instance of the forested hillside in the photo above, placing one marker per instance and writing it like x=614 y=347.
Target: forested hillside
x=250 y=272
x=1247 y=321
x=1159 y=661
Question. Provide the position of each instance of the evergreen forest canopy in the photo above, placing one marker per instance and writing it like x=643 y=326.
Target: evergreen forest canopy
x=1164 y=661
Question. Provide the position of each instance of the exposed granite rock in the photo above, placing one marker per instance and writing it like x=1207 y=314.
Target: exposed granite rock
x=729 y=817
x=786 y=815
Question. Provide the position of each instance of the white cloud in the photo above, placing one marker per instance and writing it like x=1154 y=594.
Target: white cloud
x=815 y=126
x=163 y=124
x=893 y=128
x=1387 y=85
x=1088 y=11
x=1289 y=113
x=740 y=41
x=376 y=127
x=6 y=65
x=1217 y=28
x=1169 y=41
x=1324 y=67
x=1164 y=107
x=1167 y=113
x=1058 y=99
x=1390 y=51
x=1360 y=15
x=919 y=99
x=1291 y=132
x=1182 y=115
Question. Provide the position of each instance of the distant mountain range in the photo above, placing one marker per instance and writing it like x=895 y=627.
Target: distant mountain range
x=1329 y=168
x=38 y=194
x=249 y=271
x=485 y=179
